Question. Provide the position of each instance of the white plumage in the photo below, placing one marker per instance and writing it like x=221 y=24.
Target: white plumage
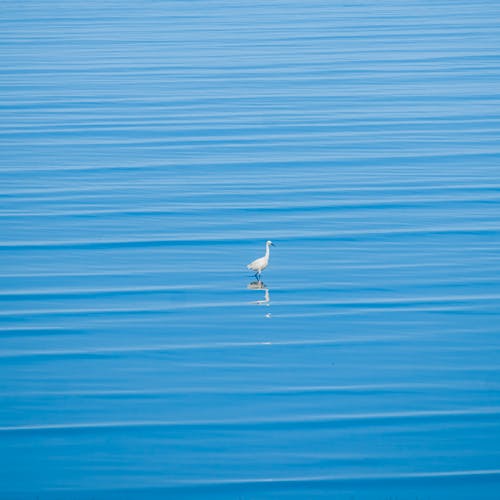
x=258 y=265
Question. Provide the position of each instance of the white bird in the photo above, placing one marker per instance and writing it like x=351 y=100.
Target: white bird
x=259 y=265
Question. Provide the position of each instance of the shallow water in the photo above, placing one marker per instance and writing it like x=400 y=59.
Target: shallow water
x=148 y=151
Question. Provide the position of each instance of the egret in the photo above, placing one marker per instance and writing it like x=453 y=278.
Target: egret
x=259 y=265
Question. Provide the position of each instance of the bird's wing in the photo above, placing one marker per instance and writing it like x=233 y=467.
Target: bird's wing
x=254 y=266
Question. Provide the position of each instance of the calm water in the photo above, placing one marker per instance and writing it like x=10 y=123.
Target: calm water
x=148 y=151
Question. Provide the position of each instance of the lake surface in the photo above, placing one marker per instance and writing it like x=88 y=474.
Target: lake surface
x=149 y=149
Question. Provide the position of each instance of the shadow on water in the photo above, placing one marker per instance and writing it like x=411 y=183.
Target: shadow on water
x=260 y=285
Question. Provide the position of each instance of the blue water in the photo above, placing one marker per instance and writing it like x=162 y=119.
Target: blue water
x=148 y=151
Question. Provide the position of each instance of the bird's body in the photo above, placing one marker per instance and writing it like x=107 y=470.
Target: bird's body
x=258 y=265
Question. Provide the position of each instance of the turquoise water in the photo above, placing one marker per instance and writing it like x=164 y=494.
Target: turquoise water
x=150 y=149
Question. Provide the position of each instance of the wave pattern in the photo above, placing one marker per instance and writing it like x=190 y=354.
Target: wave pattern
x=148 y=151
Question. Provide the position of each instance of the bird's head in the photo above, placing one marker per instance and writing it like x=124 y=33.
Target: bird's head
x=269 y=243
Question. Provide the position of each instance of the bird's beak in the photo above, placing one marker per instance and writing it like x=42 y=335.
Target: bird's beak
x=273 y=245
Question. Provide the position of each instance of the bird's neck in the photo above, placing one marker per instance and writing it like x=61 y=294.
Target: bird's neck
x=267 y=251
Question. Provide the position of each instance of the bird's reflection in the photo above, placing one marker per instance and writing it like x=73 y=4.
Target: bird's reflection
x=260 y=285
